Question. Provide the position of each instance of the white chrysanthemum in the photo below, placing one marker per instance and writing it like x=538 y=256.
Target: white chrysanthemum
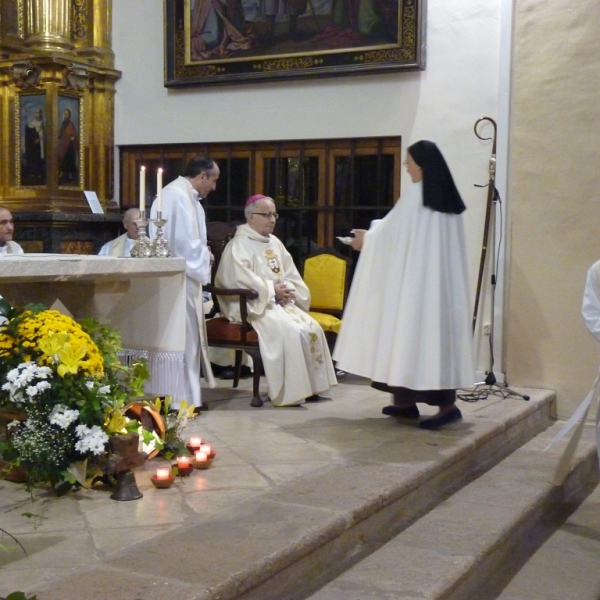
x=93 y=439
x=12 y=374
x=62 y=416
x=32 y=391
x=81 y=430
x=105 y=389
x=89 y=385
x=9 y=387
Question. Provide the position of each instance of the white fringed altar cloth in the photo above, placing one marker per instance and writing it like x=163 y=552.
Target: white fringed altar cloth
x=143 y=298
x=166 y=371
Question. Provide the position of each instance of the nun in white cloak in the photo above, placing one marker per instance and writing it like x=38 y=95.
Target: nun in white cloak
x=406 y=323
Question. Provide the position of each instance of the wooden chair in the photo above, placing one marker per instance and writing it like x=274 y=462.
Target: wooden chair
x=222 y=333
x=326 y=273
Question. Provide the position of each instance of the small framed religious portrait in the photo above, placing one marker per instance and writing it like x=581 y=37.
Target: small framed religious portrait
x=237 y=41
x=69 y=146
x=32 y=140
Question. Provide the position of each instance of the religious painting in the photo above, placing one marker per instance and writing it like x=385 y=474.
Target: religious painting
x=233 y=41
x=69 y=141
x=32 y=140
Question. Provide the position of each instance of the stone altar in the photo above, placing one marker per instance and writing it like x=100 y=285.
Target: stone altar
x=143 y=298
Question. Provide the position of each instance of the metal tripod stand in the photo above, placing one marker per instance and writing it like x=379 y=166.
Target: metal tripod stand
x=490 y=385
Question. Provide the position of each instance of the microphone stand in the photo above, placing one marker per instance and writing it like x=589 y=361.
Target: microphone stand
x=490 y=384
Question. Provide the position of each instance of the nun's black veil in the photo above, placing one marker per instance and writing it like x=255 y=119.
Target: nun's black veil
x=439 y=190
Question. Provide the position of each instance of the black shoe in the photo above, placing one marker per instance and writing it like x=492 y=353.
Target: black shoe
x=313 y=398
x=437 y=422
x=245 y=372
x=227 y=373
x=410 y=412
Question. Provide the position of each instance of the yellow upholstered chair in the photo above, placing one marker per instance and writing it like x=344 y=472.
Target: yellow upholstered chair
x=326 y=273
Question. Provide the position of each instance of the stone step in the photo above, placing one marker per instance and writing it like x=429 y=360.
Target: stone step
x=468 y=546
x=289 y=541
x=566 y=565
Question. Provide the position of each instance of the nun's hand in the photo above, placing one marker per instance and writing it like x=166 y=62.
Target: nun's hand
x=358 y=239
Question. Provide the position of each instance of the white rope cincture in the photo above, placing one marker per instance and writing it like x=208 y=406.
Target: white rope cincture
x=577 y=421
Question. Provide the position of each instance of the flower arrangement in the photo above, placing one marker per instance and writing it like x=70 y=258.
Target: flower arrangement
x=175 y=423
x=65 y=379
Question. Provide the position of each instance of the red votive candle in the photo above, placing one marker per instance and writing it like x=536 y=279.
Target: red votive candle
x=183 y=461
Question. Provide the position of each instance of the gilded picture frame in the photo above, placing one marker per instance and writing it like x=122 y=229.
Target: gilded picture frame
x=210 y=42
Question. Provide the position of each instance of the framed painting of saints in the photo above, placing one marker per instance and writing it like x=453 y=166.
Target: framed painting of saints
x=33 y=142
x=233 y=41
x=68 y=141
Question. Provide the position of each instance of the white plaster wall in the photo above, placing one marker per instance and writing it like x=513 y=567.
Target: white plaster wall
x=459 y=85
x=554 y=183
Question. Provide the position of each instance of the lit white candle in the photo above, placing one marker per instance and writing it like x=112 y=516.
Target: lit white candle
x=201 y=457
x=205 y=448
x=142 y=189
x=159 y=190
x=183 y=461
x=163 y=473
x=195 y=441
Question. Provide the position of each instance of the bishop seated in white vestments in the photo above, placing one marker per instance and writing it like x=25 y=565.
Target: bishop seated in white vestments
x=123 y=245
x=293 y=347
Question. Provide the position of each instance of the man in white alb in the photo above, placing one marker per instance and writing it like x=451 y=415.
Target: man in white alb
x=122 y=245
x=7 y=228
x=292 y=344
x=185 y=231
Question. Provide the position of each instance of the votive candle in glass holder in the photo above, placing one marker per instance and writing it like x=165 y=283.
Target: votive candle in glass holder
x=201 y=460
x=163 y=473
x=163 y=478
x=184 y=466
x=183 y=461
x=209 y=450
x=194 y=444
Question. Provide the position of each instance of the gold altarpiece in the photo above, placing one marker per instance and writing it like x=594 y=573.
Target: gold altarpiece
x=57 y=86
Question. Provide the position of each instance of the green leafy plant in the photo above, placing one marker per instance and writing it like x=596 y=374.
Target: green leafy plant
x=175 y=421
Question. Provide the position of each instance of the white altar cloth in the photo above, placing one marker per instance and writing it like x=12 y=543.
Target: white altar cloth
x=144 y=298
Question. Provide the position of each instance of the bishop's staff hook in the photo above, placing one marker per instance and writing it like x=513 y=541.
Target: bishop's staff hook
x=491 y=186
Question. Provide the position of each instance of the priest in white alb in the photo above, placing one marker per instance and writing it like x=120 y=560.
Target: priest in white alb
x=293 y=346
x=185 y=230
x=122 y=245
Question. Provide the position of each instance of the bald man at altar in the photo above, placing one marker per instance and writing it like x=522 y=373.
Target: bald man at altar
x=123 y=245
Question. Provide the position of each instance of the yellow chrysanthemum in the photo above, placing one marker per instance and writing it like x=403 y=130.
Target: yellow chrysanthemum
x=37 y=332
